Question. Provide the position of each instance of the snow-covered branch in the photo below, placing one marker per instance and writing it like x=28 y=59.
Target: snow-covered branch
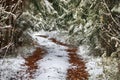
x=5 y=47
x=6 y=27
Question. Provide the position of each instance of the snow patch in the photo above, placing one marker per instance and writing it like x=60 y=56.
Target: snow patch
x=9 y=68
x=53 y=34
x=93 y=64
x=55 y=64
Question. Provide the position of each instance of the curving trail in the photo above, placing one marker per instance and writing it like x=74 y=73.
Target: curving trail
x=31 y=61
x=77 y=71
x=51 y=63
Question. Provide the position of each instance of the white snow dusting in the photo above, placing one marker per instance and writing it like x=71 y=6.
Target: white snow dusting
x=55 y=63
x=10 y=67
x=93 y=64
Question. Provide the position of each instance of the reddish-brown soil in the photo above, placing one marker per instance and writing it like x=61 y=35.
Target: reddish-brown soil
x=58 y=42
x=54 y=40
x=78 y=71
x=30 y=61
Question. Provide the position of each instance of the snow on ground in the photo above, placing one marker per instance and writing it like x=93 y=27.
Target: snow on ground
x=60 y=36
x=99 y=68
x=54 y=65
x=93 y=64
x=9 y=68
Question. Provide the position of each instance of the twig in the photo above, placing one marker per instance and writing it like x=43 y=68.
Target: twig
x=111 y=14
x=12 y=11
x=8 y=46
x=15 y=7
x=106 y=41
x=114 y=38
x=6 y=27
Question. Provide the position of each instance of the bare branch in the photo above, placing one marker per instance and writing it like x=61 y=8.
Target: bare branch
x=6 y=27
x=111 y=14
x=114 y=38
x=7 y=46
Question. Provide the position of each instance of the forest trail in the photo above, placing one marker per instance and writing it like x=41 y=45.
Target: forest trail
x=55 y=60
x=31 y=61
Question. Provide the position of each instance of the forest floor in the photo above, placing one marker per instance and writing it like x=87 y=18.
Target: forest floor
x=53 y=59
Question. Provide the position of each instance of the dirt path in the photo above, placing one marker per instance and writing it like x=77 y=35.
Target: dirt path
x=75 y=72
x=32 y=60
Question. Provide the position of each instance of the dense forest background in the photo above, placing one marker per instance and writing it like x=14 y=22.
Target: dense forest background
x=92 y=22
